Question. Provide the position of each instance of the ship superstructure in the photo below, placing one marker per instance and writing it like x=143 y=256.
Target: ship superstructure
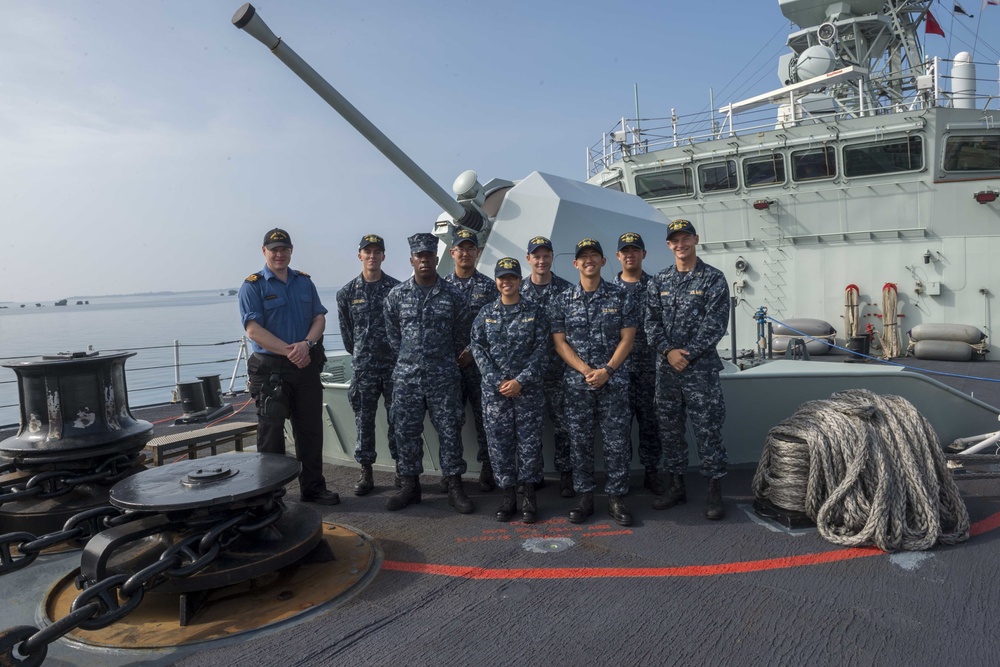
x=869 y=165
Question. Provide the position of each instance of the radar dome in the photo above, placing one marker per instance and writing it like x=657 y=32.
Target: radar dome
x=815 y=61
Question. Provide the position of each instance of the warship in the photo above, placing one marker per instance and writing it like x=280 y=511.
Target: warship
x=869 y=171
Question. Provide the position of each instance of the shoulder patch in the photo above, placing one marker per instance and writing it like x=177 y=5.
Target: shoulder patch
x=303 y=274
x=252 y=278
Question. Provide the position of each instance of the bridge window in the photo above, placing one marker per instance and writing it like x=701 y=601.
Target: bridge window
x=717 y=177
x=759 y=171
x=814 y=164
x=616 y=186
x=884 y=157
x=667 y=183
x=978 y=153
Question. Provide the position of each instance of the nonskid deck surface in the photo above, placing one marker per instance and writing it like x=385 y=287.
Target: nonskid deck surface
x=673 y=588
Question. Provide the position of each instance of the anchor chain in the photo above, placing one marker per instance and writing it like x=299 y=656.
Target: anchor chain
x=109 y=600
x=55 y=483
x=75 y=532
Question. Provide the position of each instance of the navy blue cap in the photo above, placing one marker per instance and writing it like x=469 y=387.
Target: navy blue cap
x=277 y=238
x=508 y=266
x=589 y=244
x=371 y=239
x=539 y=242
x=680 y=225
x=462 y=235
x=631 y=239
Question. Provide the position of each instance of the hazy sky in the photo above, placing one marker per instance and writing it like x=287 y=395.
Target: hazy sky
x=147 y=146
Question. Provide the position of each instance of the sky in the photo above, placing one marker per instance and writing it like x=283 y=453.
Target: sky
x=148 y=146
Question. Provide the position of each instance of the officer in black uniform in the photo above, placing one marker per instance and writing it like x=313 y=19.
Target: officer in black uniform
x=284 y=319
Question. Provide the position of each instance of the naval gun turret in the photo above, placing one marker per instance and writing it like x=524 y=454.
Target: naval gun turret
x=504 y=214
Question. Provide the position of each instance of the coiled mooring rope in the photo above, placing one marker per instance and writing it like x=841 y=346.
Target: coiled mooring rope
x=868 y=469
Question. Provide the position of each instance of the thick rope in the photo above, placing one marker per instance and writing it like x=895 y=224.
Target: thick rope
x=891 y=342
x=851 y=311
x=868 y=469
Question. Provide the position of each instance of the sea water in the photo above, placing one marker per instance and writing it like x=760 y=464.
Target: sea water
x=205 y=324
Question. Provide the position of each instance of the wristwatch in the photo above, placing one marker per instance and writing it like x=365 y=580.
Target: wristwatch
x=310 y=343
x=610 y=371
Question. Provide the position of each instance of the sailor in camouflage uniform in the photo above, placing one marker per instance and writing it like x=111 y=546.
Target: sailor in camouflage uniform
x=687 y=315
x=479 y=290
x=540 y=288
x=362 y=328
x=510 y=345
x=642 y=361
x=427 y=324
x=593 y=327
x=284 y=319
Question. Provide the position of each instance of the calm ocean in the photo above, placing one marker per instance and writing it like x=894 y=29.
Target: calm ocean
x=206 y=324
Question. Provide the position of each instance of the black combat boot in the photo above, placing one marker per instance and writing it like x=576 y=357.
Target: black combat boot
x=583 y=509
x=566 y=484
x=366 y=482
x=486 y=481
x=409 y=493
x=529 y=504
x=653 y=482
x=457 y=497
x=714 y=509
x=508 y=506
x=674 y=494
x=397 y=481
x=618 y=511
x=443 y=485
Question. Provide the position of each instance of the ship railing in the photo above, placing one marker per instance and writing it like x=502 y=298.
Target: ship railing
x=147 y=373
x=931 y=86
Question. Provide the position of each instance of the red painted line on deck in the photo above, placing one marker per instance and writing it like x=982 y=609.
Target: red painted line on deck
x=741 y=567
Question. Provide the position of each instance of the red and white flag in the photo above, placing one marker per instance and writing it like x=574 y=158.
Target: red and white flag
x=932 y=27
x=990 y=2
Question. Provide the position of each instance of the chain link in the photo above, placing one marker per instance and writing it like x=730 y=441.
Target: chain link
x=55 y=483
x=109 y=600
x=75 y=532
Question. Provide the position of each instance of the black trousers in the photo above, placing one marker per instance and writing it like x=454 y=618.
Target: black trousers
x=300 y=395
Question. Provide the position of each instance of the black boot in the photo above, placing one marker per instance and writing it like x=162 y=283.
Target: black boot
x=457 y=497
x=653 y=482
x=366 y=482
x=409 y=493
x=566 y=484
x=486 y=481
x=583 y=509
x=618 y=511
x=508 y=506
x=675 y=493
x=529 y=504
x=443 y=485
x=714 y=509
x=398 y=481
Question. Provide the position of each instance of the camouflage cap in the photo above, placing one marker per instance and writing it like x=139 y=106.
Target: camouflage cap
x=423 y=242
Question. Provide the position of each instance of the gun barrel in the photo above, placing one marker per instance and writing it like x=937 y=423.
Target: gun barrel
x=247 y=19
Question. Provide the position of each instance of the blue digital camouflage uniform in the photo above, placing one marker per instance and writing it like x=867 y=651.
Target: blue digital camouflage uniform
x=287 y=309
x=593 y=329
x=512 y=344
x=689 y=311
x=555 y=398
x=362 y=327
x=642 y=383
x=427 y=333
x=478 y=290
